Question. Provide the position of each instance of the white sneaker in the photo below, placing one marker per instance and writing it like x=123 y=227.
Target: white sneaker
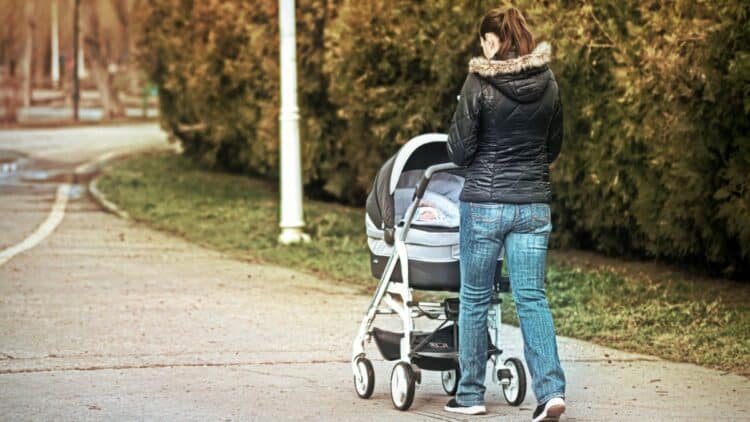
x=550 y=411
x=454 y=407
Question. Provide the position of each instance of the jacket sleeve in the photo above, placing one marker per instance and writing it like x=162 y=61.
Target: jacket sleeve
x=555 y=133
x=462 y=136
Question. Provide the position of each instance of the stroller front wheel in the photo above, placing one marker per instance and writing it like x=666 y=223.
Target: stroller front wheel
x=450 y=381
x=513 y=381
x=403 y=383
x=364 y=381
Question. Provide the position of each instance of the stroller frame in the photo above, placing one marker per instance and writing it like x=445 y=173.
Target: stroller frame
x=510 y=375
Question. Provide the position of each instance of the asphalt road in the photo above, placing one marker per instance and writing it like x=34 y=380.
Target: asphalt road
x=107 y=320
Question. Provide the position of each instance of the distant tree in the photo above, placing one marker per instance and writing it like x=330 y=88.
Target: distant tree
x=99 y=49
x=125 y=10
x=27 y=53
x=10 y=47
x=10 y=34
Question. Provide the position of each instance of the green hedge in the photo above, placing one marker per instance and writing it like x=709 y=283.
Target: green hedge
x=656 y=155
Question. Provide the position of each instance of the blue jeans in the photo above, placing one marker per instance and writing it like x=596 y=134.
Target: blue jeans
x=524 y=231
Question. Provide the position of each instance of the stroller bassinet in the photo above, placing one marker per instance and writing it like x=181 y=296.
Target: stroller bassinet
x=412 y=216
x=432 y=245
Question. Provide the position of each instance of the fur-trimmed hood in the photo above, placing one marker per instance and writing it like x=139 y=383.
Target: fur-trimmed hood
x=524 y=79
x=541 y=56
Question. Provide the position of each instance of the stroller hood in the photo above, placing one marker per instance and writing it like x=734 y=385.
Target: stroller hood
x=417 y=154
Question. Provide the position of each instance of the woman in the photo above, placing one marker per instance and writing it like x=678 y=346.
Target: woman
x=507 y=129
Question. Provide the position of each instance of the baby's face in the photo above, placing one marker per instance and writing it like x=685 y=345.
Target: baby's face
x=428 y=214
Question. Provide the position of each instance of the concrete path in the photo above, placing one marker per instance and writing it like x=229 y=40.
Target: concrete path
x=107 y=320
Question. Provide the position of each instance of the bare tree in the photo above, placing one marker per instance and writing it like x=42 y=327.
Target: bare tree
x=124 y=10
x=11 y=38
x=99 y=53
x=27 y=53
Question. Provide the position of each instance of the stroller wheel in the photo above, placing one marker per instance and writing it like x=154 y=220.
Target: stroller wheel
x=403 y=382
x=450 y=381
x=364 y=381
x=514 y=390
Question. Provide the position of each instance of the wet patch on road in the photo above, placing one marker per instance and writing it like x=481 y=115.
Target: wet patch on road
x=11 y=163
x=46 y=176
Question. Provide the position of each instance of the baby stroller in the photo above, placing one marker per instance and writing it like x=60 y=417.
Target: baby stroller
x=412 y=227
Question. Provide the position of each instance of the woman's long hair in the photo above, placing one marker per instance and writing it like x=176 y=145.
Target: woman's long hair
x=510 y=26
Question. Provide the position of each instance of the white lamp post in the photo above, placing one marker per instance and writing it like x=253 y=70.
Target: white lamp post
x=55 y=47
x=291 y=222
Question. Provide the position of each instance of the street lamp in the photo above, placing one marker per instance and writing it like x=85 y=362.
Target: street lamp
x=54 y=46
x=290 y=170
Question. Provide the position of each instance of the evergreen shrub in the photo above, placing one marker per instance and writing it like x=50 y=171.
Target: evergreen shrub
x=656 y=156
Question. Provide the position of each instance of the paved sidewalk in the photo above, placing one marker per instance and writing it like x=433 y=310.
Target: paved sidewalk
x=108 y=320
x=43 y=158
x=78 y=144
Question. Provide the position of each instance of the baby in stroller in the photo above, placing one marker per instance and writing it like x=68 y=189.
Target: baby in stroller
x=412 y=223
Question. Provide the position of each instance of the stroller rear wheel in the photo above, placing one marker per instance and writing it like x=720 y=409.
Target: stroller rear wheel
x=403 y=383
x=450 y=381
x=364 y=381
x=513 y=381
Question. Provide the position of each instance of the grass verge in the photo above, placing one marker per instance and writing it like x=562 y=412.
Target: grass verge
x=674 y=317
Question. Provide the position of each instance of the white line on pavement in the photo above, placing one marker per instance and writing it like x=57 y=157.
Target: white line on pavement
x=45 y=229
x=91 y=165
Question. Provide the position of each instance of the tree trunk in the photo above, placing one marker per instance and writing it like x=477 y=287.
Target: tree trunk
x=27 y=54
x=123 y=10
x=98 y=59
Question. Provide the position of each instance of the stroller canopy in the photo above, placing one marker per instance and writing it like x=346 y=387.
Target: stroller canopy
x=404 y=170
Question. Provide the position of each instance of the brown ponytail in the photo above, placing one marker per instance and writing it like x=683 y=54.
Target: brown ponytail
x=510 y=26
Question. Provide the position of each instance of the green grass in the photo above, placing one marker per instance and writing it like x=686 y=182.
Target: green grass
x=679 y=319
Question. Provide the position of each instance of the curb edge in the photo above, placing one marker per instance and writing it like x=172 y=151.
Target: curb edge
x=105 y=203
x=94 y=168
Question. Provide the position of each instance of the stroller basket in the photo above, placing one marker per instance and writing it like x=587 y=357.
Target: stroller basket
x=432 y=351
x=438 y=353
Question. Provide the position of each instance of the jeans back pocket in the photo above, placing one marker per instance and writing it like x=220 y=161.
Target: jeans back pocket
x=541 y=216
x=485 y=212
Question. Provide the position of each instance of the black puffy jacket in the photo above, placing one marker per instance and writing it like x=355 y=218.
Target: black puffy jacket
x=507 y=129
